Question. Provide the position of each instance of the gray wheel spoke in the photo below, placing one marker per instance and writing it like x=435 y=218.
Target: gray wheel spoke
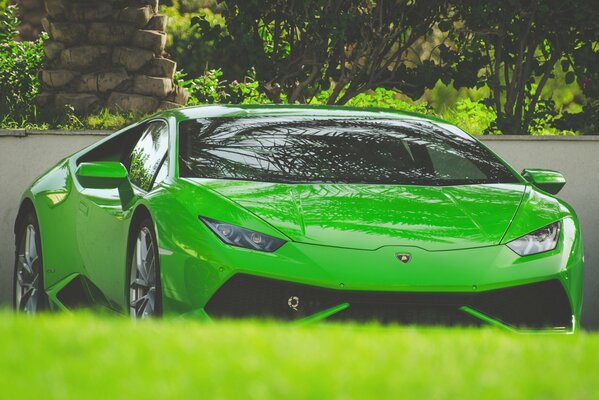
x=28 y=270
x=152 y=299
x=140 y=283
x=138 y=302
x=150 y=271
x=30 y=244
x=142 y=288
x=24 y=265
x=22 y=282
x=143 y=245
x=139 y=263
x=26 y=298
x=140 y=305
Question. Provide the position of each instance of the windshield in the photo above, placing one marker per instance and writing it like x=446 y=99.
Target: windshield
x=335 y=150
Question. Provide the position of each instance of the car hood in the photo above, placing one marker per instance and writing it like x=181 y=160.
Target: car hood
x=364 y=216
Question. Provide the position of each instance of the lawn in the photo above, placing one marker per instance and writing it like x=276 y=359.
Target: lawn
x=82 y=356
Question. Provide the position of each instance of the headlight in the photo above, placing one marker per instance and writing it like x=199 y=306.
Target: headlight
x=237 y=236
x=539 y=241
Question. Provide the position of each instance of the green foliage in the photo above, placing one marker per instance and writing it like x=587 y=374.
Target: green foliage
x=584 y=65
x=210 y=88
x=206 y=89
x=106 y=120
x=66 y=356
x=389 y=99
x=103 y=120
x=9 y=22
x=138 y=172
x=473 y=117
x=300 y=49
x=514 y=49
x=501 y=61
x=327 y=52
x=19 y=65
x=194 y=52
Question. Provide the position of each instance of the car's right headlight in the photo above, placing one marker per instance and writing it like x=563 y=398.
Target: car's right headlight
x=539 y=241
x=241 y=237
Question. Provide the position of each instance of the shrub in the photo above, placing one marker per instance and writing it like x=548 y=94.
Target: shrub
x=298 y=48
x=19 y=66
x=194 y=52
x=473 y=117
x=514 y=50
x=210 y=88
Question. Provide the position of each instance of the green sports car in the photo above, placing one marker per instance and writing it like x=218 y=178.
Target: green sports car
x=300 y=213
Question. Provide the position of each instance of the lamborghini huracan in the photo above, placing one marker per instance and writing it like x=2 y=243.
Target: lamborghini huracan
x=300 y=213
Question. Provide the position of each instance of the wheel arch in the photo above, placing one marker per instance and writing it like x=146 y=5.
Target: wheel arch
x=140 y=212
x=25 y=207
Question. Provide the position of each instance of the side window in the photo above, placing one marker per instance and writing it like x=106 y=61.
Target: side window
x=148 y=154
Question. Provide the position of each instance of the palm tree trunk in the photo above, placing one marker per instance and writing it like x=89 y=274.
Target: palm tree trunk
x=107 y=54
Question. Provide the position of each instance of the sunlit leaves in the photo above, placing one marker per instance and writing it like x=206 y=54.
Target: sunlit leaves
x=522 y=43
x=299 y=47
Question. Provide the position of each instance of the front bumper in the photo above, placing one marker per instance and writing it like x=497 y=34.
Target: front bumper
x=435 y=286
x=542 y=305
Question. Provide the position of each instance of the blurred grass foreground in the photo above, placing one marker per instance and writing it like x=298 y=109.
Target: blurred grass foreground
x=81 y=356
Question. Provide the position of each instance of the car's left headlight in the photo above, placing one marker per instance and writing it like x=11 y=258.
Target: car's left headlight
x=539 y=241
x=241 y=237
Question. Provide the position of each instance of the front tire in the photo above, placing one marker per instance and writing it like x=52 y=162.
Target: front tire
x=145 y=294
x=28 y=283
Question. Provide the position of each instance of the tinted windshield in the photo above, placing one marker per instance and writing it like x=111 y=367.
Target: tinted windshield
x=334 y=150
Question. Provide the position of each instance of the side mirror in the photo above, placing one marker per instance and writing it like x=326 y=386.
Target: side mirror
x=106 y=175
x=545 y=179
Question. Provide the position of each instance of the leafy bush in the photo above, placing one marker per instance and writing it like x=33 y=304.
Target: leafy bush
x=195 y=52
x=210 y=88
x=514 y=50
x=473 y=117
x=585 y=62
x=19 y=66
x=298 y=48
x=8 y=22
x=389 y=99
x=314 y=53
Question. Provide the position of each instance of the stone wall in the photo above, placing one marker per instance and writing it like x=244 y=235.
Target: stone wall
x=107 y=54
x=31 y=13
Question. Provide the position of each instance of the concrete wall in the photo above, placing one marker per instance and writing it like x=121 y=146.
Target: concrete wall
x=24 y=157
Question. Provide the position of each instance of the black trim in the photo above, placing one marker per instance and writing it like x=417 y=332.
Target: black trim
x=534 y=306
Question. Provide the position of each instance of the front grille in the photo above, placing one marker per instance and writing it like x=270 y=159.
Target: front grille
x=534 y=306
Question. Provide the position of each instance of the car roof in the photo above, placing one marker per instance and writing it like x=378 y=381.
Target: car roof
x=257 y=110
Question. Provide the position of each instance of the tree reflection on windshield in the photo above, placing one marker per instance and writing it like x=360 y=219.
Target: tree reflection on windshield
x=334 y=150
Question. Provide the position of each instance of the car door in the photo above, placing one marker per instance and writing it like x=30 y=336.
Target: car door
x=104 y=224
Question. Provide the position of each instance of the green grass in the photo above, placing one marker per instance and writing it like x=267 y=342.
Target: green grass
x=80 y=356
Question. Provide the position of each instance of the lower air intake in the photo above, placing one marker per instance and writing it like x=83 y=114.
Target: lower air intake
x=533 y=306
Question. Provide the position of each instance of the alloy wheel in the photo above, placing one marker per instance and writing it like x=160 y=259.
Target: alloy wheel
x=28 y=285
x=143 y=279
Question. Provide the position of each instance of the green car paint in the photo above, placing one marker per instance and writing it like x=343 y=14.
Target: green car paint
x=549 y=181
x=340 y=238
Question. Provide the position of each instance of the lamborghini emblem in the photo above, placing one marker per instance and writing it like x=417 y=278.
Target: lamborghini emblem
x=404 y=257
x=293 y=303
